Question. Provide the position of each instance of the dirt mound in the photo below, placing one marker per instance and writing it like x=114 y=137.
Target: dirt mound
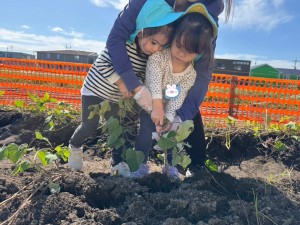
x=256 y=185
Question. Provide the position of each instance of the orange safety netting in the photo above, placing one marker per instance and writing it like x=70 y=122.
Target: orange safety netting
x=244 y=98
x=61 y=80
x=249 y=98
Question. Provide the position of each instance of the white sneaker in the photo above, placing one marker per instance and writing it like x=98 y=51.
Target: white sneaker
x=75 y=160
x=121 y=169
x=143 y=170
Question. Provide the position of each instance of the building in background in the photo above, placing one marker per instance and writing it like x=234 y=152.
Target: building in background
x=16 y=55
x=232 y=67
x=68 y=56
x=268 y=71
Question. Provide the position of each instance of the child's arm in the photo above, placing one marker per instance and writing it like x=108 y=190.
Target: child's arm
x=158 y=113
x=123 y=27
x=154 y=77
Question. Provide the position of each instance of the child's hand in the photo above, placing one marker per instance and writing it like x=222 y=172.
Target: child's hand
x=159 y=130
x=123 y=89
x=144 y=99
x=172 y=126
x=157 y=116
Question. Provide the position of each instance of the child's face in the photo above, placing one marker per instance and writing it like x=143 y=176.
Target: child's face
x=152 y=44
x=181 y=55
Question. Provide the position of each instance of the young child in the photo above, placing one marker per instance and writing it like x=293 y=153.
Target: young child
x=154 y=30
x=170 y=75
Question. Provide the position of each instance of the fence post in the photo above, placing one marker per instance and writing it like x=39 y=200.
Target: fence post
x=233 y=96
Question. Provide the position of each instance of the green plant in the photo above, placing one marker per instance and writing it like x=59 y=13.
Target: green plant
x=174 y=140
x=230 y=123
x=258 y=213
x=59 y=113
x=17 y=154
x=118 y=131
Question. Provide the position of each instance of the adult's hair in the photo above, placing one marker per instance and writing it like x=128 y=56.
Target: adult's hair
x=194 y=34
x=229 y=8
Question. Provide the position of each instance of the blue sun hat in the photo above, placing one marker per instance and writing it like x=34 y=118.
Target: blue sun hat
x=156 y=13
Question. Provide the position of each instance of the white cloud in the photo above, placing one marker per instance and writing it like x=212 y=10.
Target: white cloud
x=259 y=14
x=28 y=42
x=25 y=27
x=72 y=33
x=57 y=29
x=118 y=4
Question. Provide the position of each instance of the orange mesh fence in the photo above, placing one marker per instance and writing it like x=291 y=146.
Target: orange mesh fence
x=61 y=80
x=249 y=98
x=244 y=98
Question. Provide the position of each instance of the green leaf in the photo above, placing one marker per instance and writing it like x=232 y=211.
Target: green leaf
x=291 y=125
x=105 y=107
x=134 y=159
x=51 y=125
x=51 y=157
x=13 y=153
x=120 y=142
x=39 y=136
x=166 y=143
x=211 y=165
x=54 y=188
x=128 y=102
x=279 y=146
x=172 y=134
x=296 y=138
x=161 y=157
x=19 y=104
x=176 y=160
x=21 y=167
x=63 y=152
x=186 y=160
x=46 y=97
x=3 y=153
x=114 y=136
x=121 y=103
x=42 y=157
x=184 y=130
x=91 y=115
x=48 y=119
x=112 y=123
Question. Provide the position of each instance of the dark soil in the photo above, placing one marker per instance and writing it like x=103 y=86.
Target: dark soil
x=256 y=185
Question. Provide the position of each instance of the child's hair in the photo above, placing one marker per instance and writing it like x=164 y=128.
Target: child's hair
x=166 y=30
x=194 y=34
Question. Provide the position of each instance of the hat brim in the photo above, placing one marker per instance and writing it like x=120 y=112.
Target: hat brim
x=200 y=8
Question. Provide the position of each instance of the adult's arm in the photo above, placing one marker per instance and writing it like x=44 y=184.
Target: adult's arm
x=124 y=26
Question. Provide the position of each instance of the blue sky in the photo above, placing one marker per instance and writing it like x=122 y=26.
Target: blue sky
x=263 y=31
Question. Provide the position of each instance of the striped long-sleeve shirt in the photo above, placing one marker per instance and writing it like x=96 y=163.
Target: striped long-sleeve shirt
x=101 y=78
